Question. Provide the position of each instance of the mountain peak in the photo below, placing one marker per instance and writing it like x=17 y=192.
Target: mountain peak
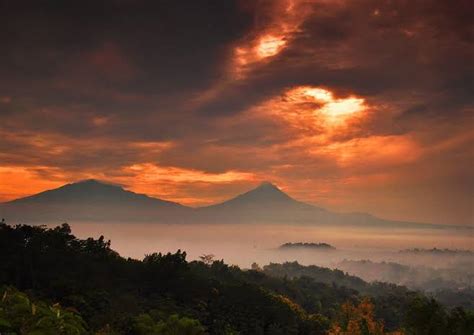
x=93 y=182
x=90 y=200
x=87 y=189
x=268 y=185
x=268 y=188
x=264 y=203
x=90 y=185
x=265 y=193
x=89 y=181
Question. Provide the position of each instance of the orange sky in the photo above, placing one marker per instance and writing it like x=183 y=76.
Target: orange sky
x=354 y=107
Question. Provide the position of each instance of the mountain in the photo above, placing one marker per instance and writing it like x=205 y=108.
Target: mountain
x=95 y=201
x=91 y=200
x=266 y=203
x=265 y=195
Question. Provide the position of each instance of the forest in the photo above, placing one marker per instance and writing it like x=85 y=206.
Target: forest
x=54 y=283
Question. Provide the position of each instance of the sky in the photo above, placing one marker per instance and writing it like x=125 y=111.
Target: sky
x=355 y=106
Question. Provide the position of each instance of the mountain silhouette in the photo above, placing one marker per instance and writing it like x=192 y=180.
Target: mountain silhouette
x=87 y=191
x=265 y=203
x=90 y=200
x=96 y=201
x=266 y=193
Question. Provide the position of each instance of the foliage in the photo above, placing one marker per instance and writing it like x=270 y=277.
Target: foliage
x=357 y=320
x=19 y=315
x=207 y=259
x=166 y=294
x=425 y=316
x=144 y=324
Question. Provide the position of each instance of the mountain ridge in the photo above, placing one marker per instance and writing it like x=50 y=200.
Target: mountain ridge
x=86 y=188
x=94 y=200
x=91 y=200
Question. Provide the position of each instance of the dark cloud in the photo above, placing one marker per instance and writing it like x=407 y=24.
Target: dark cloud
x=94 y=88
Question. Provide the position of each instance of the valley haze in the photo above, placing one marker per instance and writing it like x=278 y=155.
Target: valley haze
x=247 y=228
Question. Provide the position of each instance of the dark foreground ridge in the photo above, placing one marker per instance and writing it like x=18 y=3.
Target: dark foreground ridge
x=54 y=283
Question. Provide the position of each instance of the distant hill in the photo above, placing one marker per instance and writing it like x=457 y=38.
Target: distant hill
x=302 y=245
x=92 y=200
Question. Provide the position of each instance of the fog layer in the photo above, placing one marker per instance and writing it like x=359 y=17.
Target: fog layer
x=243 y=244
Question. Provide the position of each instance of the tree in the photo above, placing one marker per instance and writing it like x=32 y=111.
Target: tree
x=256 y=267
x=357 y=320
x=460 y=321
x=18 y=314
x=425 y=316
x=207 y=259
x=173 y=325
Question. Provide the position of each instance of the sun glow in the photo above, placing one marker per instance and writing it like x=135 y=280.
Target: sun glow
x=265 y=47
x=285 y=20
x=342 y=108
x=333 y=108
x=316 y=93
x=270 y=46
x=309 y=107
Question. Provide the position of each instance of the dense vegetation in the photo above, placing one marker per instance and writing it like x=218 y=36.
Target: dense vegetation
x=55 y=283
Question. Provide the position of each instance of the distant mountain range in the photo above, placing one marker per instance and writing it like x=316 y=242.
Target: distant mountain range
x=92 y=200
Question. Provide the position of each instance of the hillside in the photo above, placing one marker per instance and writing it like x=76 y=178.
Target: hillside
x=88 y=286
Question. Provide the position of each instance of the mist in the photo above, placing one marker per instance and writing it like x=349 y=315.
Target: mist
x=374 y=254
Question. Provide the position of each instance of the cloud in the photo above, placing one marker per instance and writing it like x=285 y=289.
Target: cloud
x=361 y=106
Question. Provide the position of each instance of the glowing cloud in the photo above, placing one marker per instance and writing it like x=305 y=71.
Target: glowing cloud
x=285 y=18
x=318 y=124
x=314 y=109
x=365 y=152
x=283 y=21
x=166 y=181
x=151 y=172
x=270 y=46
x=11 y=177
x=267 y=46
x=337 y=109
